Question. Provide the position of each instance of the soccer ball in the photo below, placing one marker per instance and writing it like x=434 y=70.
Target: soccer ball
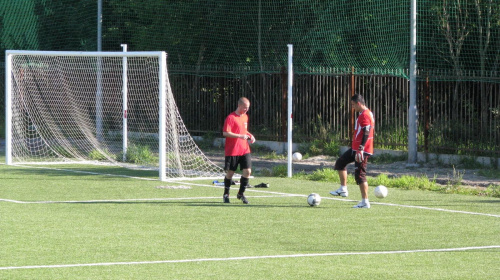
x=314 y=199
x=380 y=191
x=297 y=156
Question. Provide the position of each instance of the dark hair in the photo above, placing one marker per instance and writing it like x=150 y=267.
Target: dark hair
x=358 y=98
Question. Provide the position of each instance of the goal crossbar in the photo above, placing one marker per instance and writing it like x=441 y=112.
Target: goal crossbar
x=85 y=54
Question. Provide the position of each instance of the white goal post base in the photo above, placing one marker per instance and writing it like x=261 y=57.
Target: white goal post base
x=102 y=107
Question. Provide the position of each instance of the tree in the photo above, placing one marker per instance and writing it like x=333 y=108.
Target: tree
x=453 y=21
x=486 y=28
x=65 y=25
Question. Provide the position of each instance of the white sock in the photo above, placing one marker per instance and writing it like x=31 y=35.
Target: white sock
x=343 y=188
x=365 y=201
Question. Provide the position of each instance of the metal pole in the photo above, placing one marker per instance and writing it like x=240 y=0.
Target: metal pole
x=290 y=116
x=99 y=128
x=162 y=118
x=412 y=110
x=99 y=25
x=124 y=103
x=8 y=109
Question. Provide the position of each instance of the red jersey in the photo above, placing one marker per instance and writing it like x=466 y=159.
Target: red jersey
x=236 y=124
x=364 y=119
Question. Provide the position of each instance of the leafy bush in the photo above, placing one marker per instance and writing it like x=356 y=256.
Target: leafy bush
x=96 y=155
x=492 y=190
x=272 y=155
x=141 y=154
x=387 y=158
x=470 y=162
x=207 y=141
x=321 y=147
x=280 y=171
x=261 y=149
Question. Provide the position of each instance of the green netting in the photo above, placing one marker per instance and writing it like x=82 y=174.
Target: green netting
x=457 y=39
x=18 y=25
x=254 y=35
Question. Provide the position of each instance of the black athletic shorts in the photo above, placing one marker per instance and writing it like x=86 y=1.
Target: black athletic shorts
x=360 y=167
x=232 y=162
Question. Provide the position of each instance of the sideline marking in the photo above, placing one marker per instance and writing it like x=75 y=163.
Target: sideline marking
x=377 y=203
x=437 y=209
x=254 y=257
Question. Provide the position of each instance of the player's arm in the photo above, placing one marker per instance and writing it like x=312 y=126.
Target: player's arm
x=366 y=133
x=226 y=130
x=230 y=134
x=251 y=137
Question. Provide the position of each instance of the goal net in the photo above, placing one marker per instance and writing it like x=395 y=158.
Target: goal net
x=98 y=107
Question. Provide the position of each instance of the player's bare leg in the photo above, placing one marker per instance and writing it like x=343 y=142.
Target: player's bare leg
x=343 y=177
x=364 y=190
x=365 y=203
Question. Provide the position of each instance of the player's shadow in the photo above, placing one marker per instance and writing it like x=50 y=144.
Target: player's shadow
x=187 y=203
x=487 y=201
x=167 y=203
x=221 y=204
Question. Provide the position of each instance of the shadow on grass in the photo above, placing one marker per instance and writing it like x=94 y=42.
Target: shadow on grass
x=76 y=171
x=487 y=201
x=191 y=204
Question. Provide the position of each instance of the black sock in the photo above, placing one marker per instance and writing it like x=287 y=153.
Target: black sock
x=227 y=185
x=243 y=185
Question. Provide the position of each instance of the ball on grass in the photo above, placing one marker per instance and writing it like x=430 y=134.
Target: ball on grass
x=381 y=191
x=314 y=199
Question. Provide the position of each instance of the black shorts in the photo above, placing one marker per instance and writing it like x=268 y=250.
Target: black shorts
x=360 y=167
x=232 y=162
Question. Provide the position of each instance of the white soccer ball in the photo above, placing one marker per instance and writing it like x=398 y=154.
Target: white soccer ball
x=297 y=156
x=381 y=191
x=314 y=199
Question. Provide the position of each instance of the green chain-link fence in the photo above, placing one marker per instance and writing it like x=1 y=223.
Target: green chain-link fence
x=458 y=41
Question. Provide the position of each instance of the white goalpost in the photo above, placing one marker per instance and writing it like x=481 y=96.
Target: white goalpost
x=99 y=108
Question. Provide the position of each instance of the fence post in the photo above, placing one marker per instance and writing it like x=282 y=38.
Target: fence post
x=412 y=110
x=222 y=97
x=351 y=110
x=284 y=91
x=426 y=115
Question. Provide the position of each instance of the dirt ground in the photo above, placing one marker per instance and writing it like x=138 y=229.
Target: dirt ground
x=442 y=175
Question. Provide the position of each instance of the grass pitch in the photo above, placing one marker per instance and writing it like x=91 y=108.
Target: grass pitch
x=58 y=224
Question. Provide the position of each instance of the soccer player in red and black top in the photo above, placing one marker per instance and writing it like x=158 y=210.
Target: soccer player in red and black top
x=361 y=149
x=237 y=149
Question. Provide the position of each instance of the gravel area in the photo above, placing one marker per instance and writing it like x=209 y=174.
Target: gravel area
x=442 y=175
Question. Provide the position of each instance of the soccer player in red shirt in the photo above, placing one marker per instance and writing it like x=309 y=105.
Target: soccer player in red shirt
x=361 y=149
x=237 y=149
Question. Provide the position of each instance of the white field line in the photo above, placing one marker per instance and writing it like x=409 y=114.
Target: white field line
x=437 y=209
x=269 y=192
x=130 y=200
x=377 y=203
x=254 y=257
